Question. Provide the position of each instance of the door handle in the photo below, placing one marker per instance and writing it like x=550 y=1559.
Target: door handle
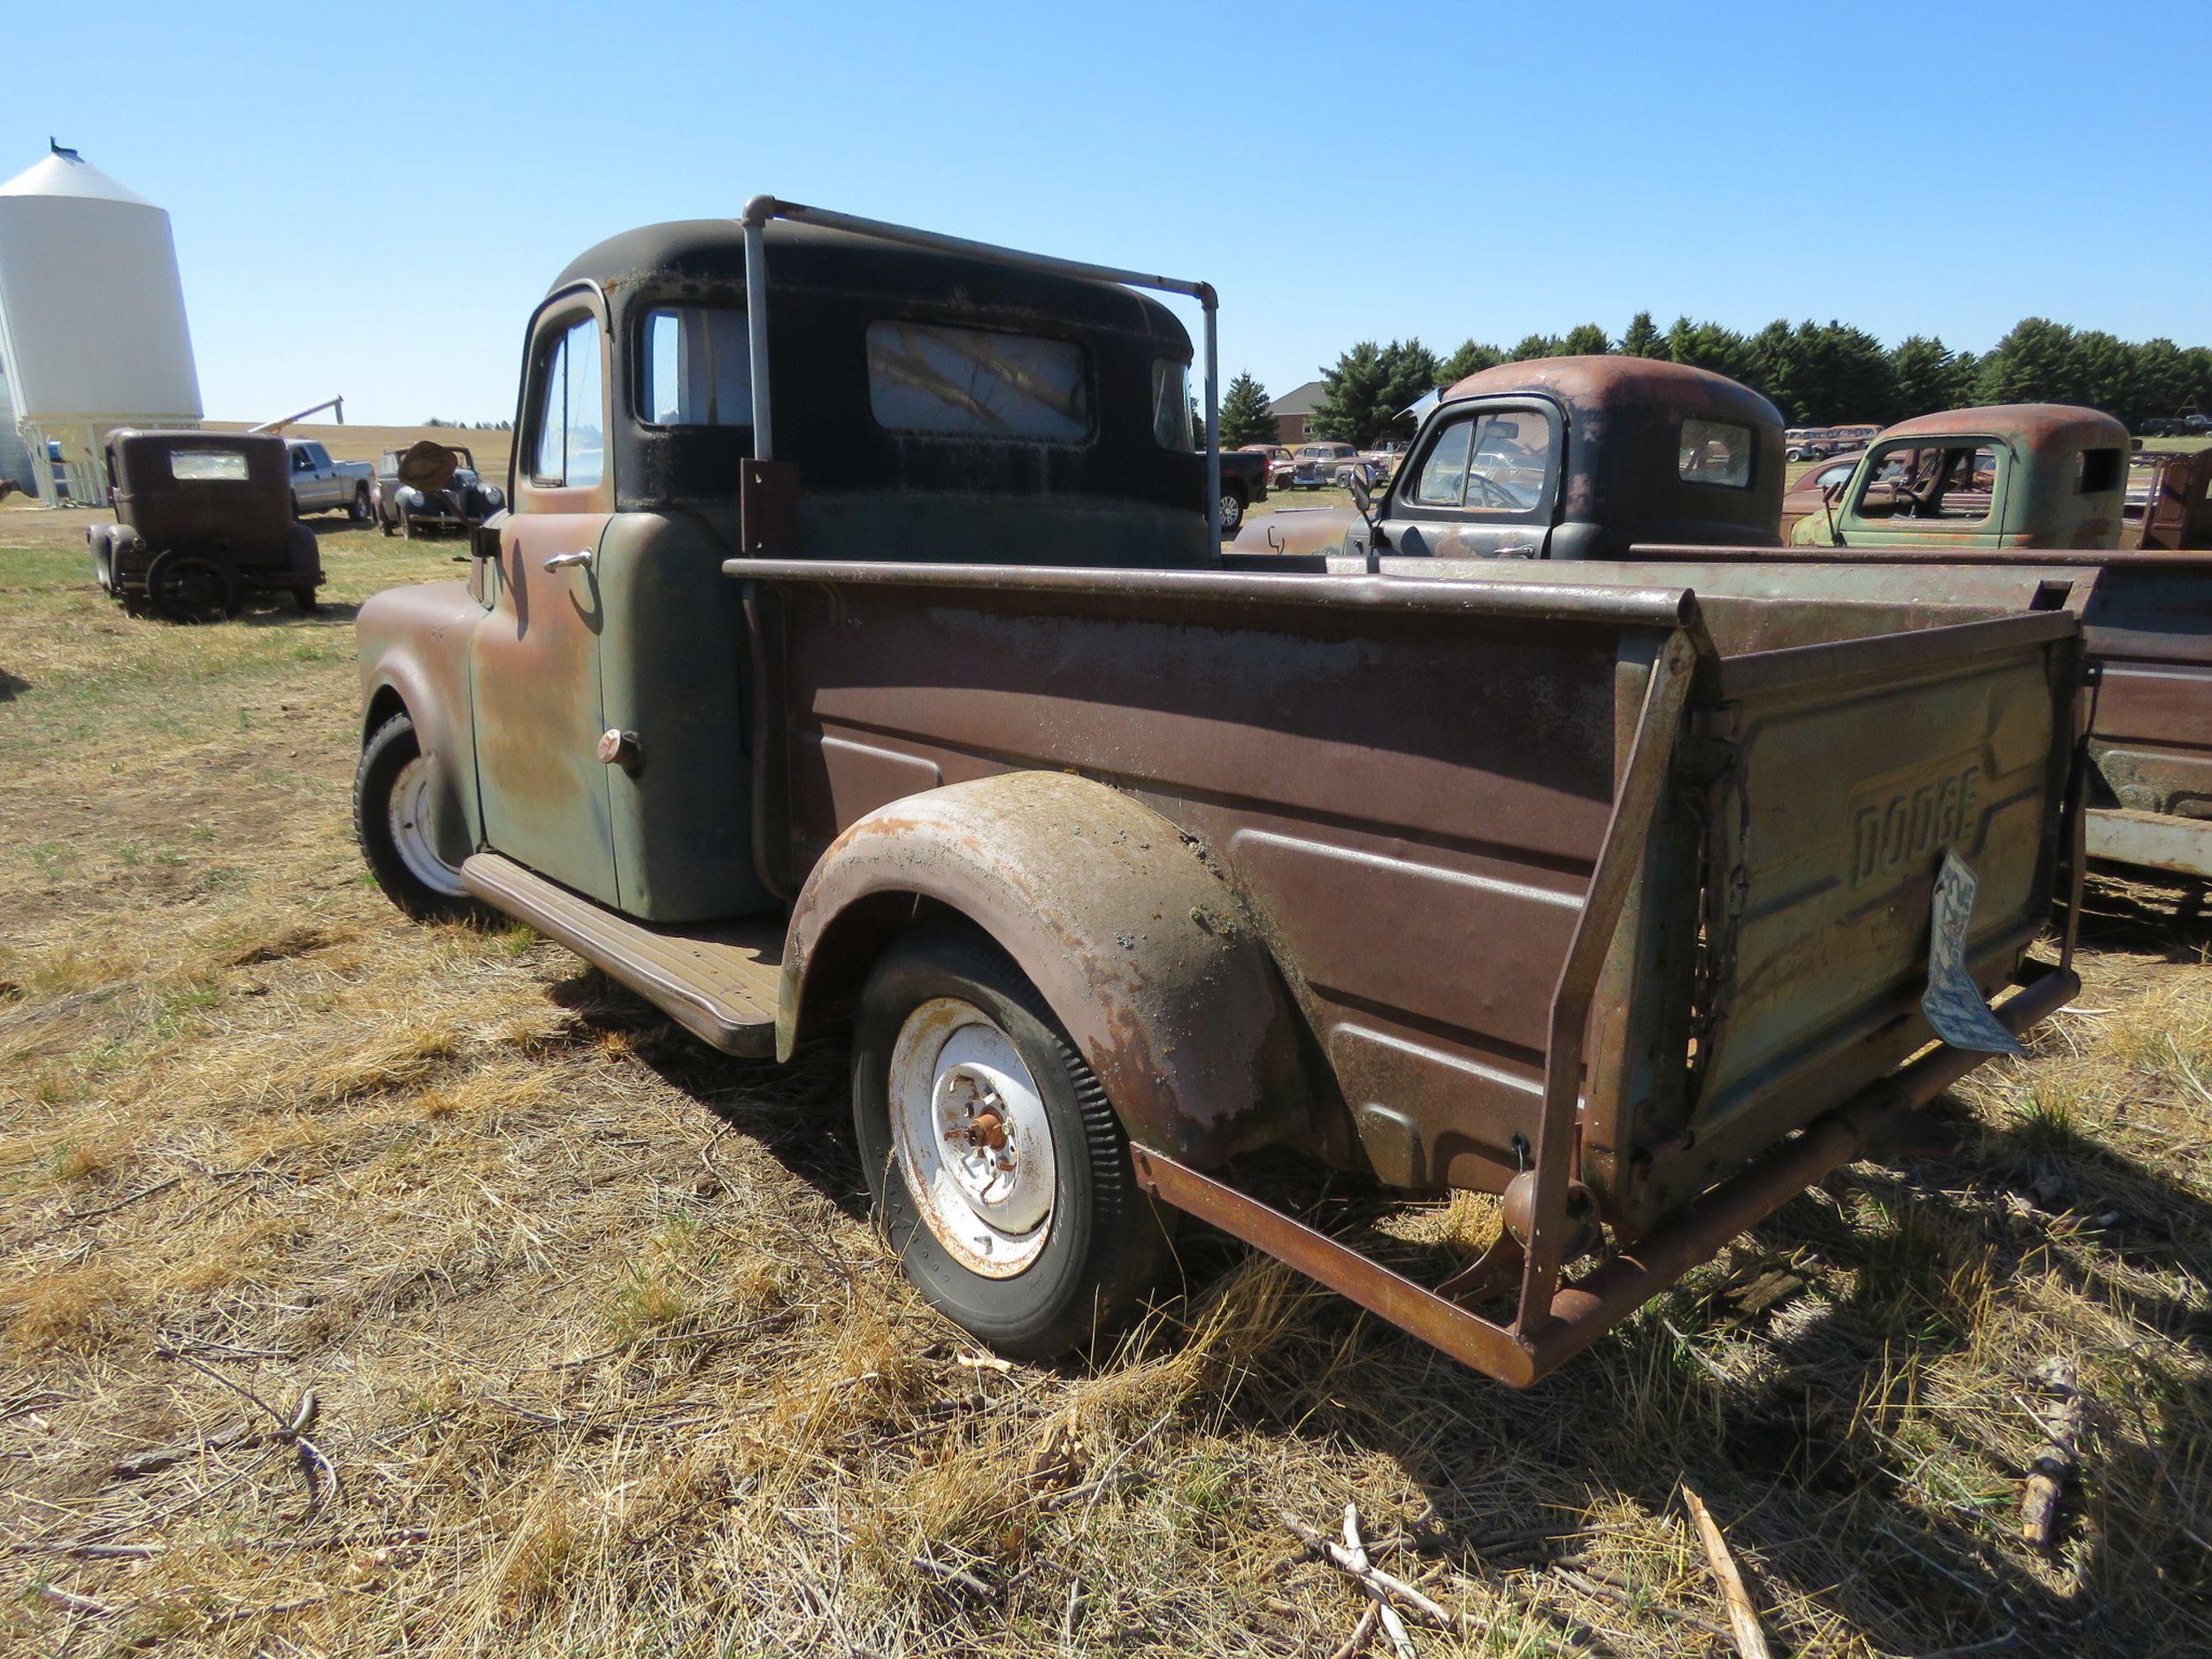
x=1518 y=550
x=562 y=561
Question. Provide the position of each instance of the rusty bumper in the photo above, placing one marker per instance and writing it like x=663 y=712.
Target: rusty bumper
x=1540 y=1338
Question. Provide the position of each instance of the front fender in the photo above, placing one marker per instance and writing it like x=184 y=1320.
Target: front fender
x=413 y=647
x=1151 y=961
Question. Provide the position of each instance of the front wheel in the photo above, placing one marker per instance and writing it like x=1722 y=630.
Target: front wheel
x=395 y=818
x=997 y=1168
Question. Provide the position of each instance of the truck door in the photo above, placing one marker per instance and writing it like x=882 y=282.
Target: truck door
x=535 y=659
x=1481 y=483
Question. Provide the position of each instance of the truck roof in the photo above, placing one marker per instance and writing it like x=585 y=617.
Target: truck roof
x=2034 y=426
x=712 y=251
x=1599 y=385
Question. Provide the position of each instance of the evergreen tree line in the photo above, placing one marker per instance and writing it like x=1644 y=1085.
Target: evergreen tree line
x=1817 y=374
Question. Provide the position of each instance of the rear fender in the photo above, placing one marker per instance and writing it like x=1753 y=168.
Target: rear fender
x=413 y=643
x=1152 y=963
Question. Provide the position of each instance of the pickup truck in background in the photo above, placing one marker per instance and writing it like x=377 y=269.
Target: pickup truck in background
x=1243 y=484
x=1118 y=857
x=322 y=485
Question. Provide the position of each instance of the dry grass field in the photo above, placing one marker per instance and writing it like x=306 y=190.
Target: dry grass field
x=373 y=1288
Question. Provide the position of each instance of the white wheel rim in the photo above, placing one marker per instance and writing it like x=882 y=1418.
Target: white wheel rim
x=411 y=814
x=974 y=1143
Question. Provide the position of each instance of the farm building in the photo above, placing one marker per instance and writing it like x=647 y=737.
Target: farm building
x=93 y=333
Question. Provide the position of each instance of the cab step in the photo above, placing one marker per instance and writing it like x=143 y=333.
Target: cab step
x=720 y=981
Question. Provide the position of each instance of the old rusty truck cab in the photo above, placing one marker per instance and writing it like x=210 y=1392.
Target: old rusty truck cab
x=901 y=693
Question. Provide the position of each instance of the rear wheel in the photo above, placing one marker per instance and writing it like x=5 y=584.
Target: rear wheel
x=357 y=509
x=186 y=586
x=303 y=597
x=999 y=1170
x=395 y=818
x=1231 y=511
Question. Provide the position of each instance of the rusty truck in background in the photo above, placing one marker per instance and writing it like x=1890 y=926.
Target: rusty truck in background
x=856 y=656
x=1678 y=469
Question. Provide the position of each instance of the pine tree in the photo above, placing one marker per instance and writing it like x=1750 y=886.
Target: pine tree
x=1472 y=357
x=1642 y=338
x=1928 y=376
x=1245 y=416
x=1411 y=373
x=1352 y=406
x=1585 y=339
x=1531 y=347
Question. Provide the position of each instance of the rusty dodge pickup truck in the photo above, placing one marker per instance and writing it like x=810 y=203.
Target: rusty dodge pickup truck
x=904 y=693
x=1679 y=470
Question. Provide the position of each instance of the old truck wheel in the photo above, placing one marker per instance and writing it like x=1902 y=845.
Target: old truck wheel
x=190 y=587
x=396 y=821
x=1000 y=1172
x=303 y=597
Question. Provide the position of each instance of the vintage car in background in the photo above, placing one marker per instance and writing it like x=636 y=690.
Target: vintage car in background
x=910 y=695
x=1318 y=466
x=202 y=521
x=431 y=486
x=322 y=485
x=1817 y=491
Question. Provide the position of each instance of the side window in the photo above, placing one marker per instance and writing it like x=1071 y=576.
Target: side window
x=1954 y=483
x=1497 y=462
x=1444 y=473
x=1170 y=406
x=697 y=367
x=570 y=449
x=2100 y=472
x=303 y=462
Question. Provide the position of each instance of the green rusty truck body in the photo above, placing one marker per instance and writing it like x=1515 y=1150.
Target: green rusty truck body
x=1611 y=895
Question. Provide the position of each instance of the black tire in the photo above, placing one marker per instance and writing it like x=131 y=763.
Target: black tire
x=357 y=509
x=303 y=597
x=387 y=754
x=191 y=587
x=1232 y=510
x=1107 y=1241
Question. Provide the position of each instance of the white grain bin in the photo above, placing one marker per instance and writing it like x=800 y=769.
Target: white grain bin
x=92 y=329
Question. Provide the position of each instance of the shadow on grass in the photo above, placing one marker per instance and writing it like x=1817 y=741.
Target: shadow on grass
x=1836 y=1386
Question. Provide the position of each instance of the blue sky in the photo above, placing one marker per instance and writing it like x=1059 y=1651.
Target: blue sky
x=364 y=211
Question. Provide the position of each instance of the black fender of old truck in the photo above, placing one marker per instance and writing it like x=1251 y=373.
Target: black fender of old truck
x=1155 y=967
x=413 y=647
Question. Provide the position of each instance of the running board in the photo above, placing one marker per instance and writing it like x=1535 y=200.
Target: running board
x=719 y=981
x=2158 y=839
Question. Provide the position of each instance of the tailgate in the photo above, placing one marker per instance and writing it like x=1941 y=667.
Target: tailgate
x=1843 y=773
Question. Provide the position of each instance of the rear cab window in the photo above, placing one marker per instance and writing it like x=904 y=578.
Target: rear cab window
x=1715 y=452
x=978 y=383
x=1172 y=423
x=201 y=465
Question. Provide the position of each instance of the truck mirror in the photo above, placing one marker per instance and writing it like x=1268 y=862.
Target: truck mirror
x=1360 y=498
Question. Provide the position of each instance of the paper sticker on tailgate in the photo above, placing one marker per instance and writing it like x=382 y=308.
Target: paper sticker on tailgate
x=1952 y=1001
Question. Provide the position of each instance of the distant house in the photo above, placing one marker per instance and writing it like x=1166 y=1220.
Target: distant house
x=1292 y=410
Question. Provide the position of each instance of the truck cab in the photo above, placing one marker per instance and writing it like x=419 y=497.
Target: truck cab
x=2008 y=475
x=1568 y=458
